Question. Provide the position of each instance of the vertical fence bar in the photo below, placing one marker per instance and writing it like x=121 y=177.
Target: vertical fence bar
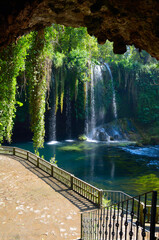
x=157 y=213
x=153 y=215
x=106 y=228
x=144 y=217
x=126 y=220
x=100 y=196
x=100 y=221
x=52 y=170
x=13 y=151
x=114 y=217
x=37 y=162
x=27 y=155
x=141 y=214
x=95 y=225
x=110 y=223
x=131 y=224
x=121 y=220
x=117 y=222
x=98 y=218
x=138 y=219
x=103 y=225
x=71 y=181
x=81 y=226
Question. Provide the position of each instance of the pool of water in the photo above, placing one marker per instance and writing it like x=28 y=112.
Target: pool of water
x=133 y=170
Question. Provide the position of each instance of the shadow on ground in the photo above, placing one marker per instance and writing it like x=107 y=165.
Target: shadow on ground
x=76 y=199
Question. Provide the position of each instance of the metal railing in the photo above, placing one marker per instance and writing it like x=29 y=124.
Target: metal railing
x=113 y=197
x=88 y=191
x=121 y=221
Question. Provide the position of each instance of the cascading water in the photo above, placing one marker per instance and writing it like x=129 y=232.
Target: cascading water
x=68 y=114
x=113 y=92
x=93 y=116
x=52 y=122
x=96 y=101
x=86 y=110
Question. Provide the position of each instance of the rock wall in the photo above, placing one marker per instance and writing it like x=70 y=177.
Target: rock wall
x=123 y=22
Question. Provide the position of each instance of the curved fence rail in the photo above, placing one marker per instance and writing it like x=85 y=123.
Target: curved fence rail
x=115 y=196
x=88 y=191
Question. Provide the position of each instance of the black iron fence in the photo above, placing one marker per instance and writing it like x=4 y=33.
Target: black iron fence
x=124 y=220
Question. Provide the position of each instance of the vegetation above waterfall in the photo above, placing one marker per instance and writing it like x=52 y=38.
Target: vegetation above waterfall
x=56 y=66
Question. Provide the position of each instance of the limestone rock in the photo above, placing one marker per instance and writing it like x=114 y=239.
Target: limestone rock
x=123 y=22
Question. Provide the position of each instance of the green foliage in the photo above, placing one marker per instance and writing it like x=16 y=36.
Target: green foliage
x=82 y=137
x=106 y=202
x=53 y=161
x=58 y=59
x=36 y=77
x=12 y=61
x=73 y=52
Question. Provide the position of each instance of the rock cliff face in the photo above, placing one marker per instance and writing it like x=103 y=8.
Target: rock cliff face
x=123 y=22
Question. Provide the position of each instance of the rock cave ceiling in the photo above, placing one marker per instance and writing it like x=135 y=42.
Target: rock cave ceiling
x=124 y=22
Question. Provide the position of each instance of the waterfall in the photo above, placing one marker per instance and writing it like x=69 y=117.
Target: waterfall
x=52 y=119
x=113 y=92
x=86 y=112
x=96 y=104
x=99 y=94
x=68 y=114
x=93 y=116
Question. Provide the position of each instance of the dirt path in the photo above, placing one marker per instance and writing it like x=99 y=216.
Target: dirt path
x=30 y=209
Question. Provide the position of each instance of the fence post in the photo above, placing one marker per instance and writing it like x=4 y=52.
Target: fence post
x=52 y=170
x=37 y=162
x=71 y=181
x=81 y=227
x=27 y=155
x=14 y=151
x=141 y=219
x=100 y=197
x=153 y=215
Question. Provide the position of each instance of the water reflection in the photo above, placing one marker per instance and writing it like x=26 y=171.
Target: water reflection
x=112 y=170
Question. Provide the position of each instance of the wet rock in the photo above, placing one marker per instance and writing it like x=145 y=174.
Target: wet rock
x=101 y=135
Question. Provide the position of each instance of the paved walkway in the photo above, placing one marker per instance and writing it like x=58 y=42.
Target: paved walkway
x=34 y=206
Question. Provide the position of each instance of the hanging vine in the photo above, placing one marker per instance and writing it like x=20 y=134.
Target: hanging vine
x=36 y=76
x=12 y=61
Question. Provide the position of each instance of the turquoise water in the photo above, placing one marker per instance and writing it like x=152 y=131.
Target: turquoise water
x=133 y=170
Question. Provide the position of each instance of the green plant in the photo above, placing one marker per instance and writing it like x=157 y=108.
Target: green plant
x=106 y=202
x=82 y=137
x=53 y=161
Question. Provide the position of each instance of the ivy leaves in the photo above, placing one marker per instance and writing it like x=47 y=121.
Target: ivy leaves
x=36 y=66
x=12 y=61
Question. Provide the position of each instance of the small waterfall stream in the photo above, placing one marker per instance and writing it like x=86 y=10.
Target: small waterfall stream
x=93 y=116
x=86 y=110
x=68 y=114
x=113 y=92
x=52 y=124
